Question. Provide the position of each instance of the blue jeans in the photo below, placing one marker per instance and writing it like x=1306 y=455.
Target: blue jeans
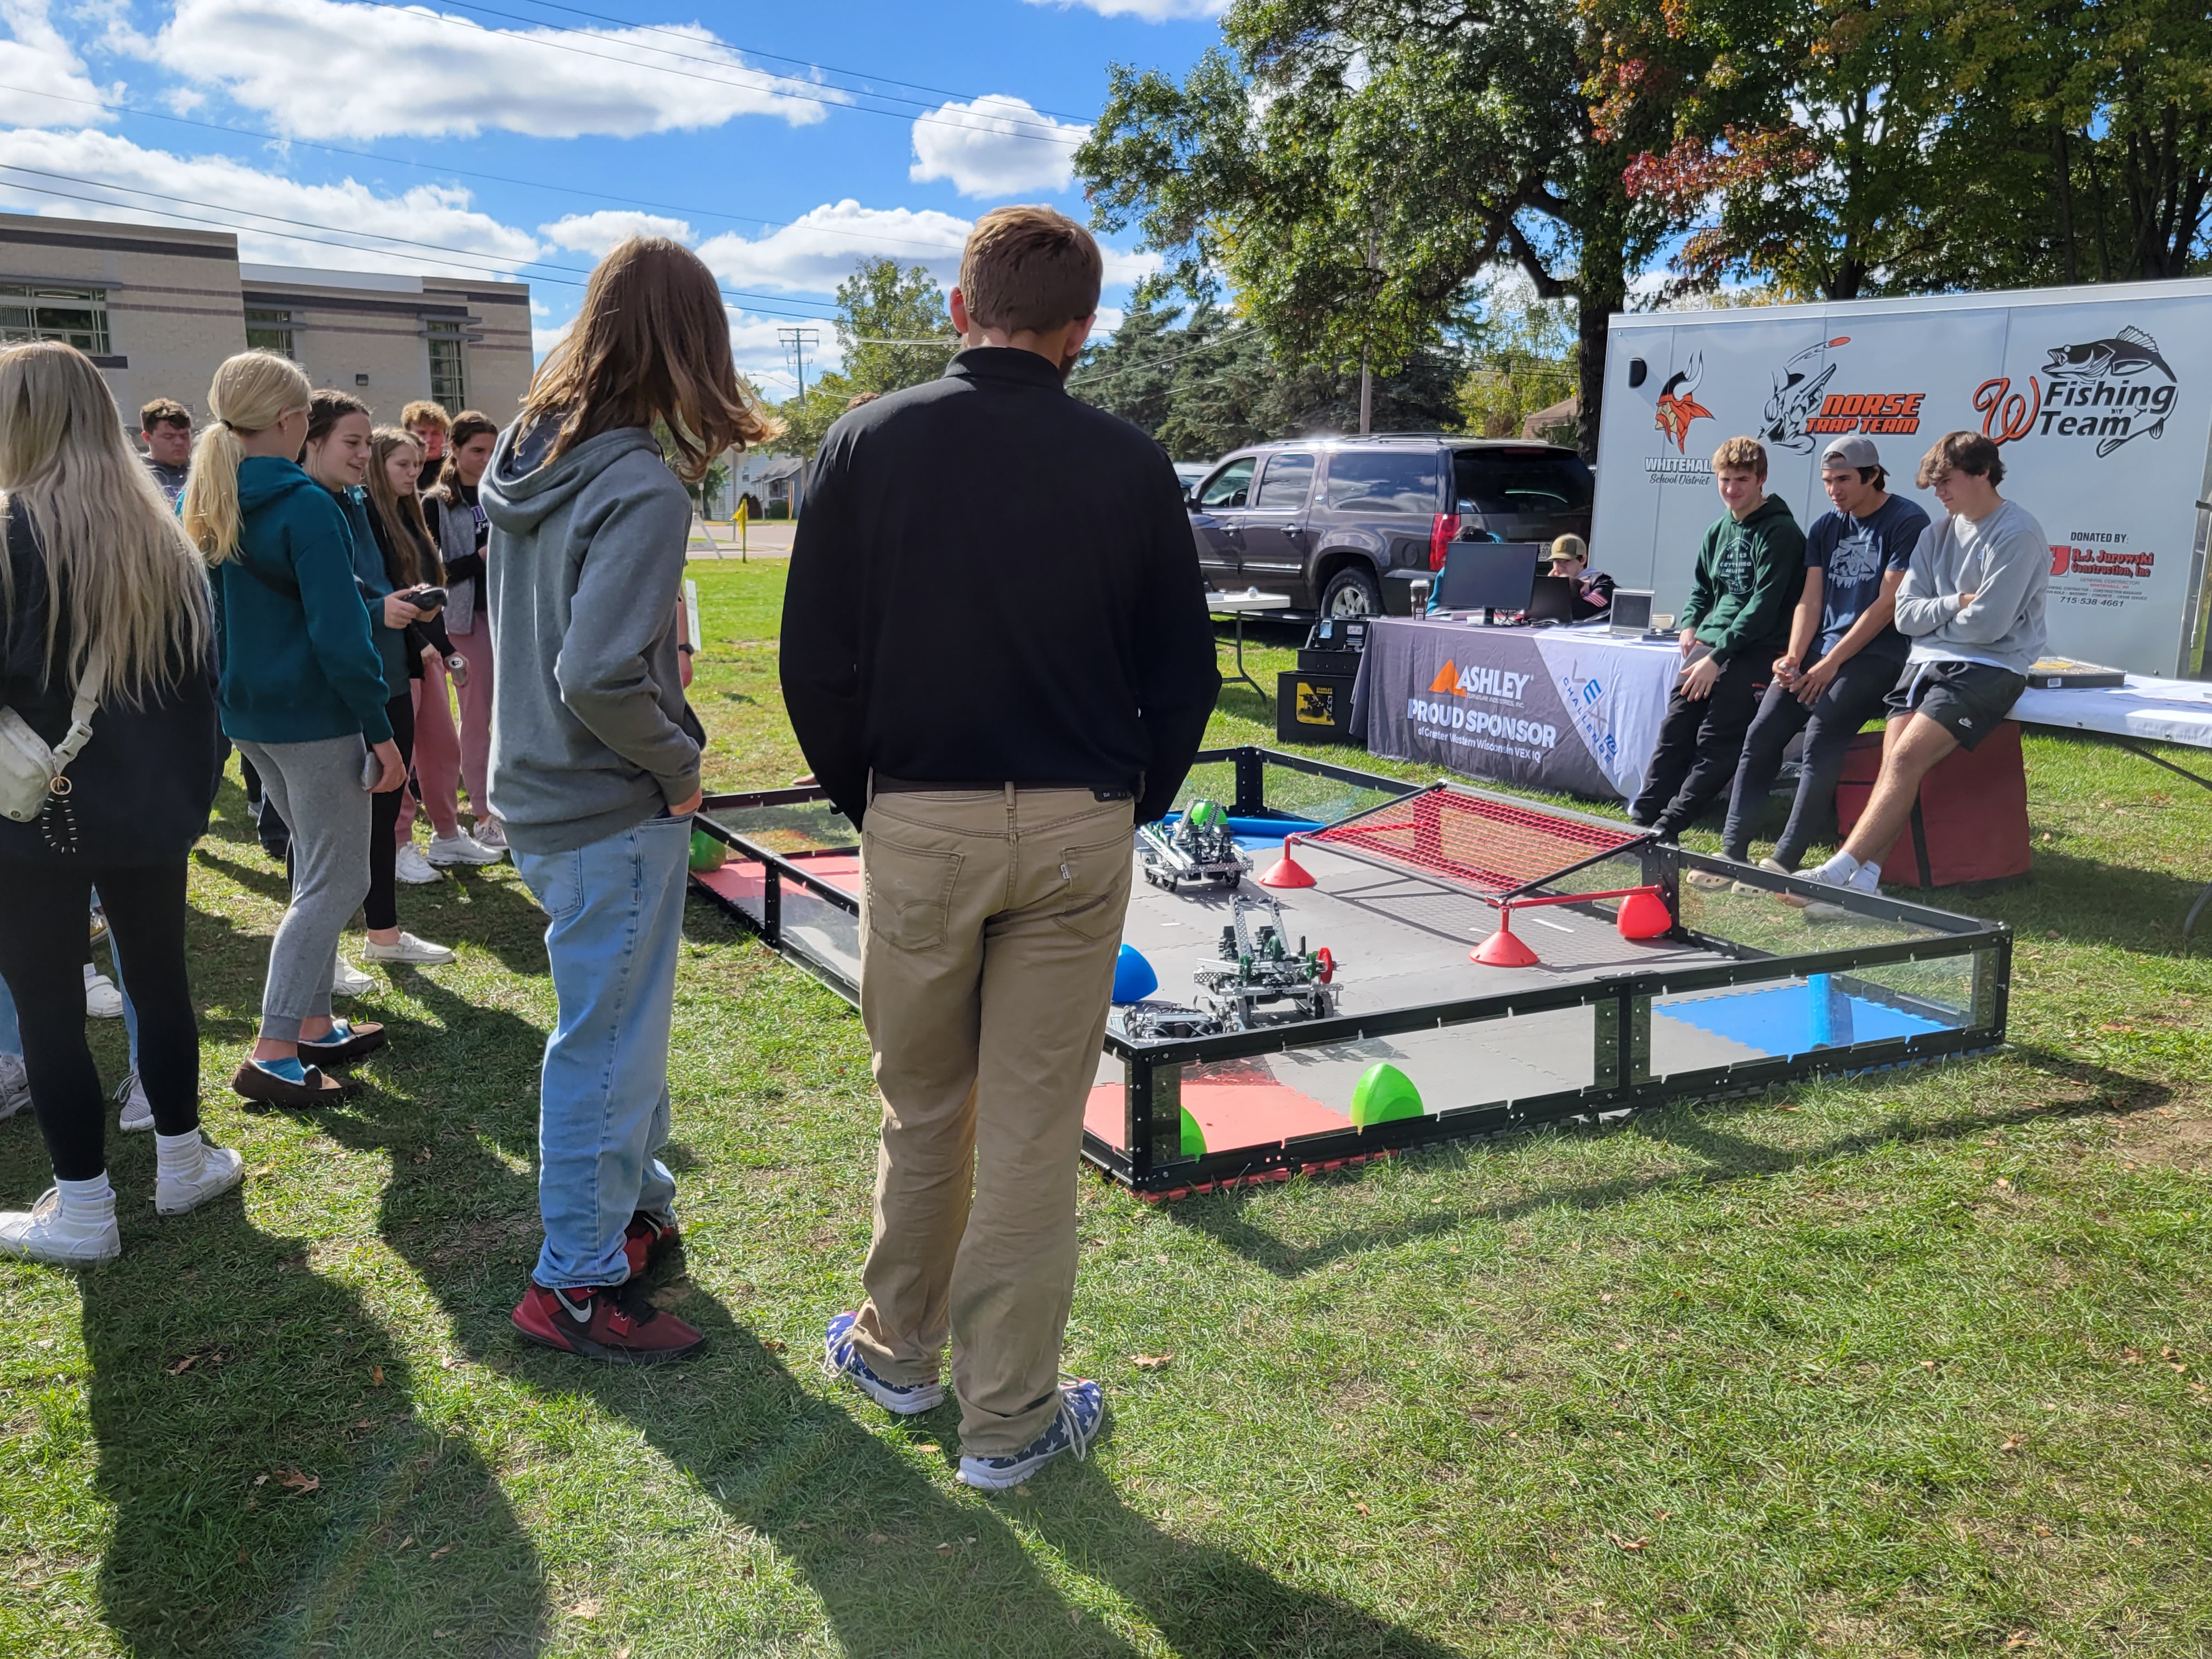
x=617 y=917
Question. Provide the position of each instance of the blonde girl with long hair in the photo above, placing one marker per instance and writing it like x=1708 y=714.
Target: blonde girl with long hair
x=100 y=591
x=302 y=688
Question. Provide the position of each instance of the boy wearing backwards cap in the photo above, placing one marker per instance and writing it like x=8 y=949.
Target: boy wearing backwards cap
x=1844 y=652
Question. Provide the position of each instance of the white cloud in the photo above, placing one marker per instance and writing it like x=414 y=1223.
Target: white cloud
x=1148 y=11
x=817 y=251
x=998 y=145
x=596 y=232
x=35 y=56
x=334 y=214
x=324 y=69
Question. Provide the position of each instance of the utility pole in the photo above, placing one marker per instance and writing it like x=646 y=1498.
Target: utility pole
x=1366 y=395
x=797 y=340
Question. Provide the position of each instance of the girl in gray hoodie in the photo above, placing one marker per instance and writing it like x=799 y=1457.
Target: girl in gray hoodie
x=591 y=770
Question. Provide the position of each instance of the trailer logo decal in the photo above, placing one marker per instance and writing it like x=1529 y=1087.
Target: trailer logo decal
x=1799 y=385
x=1871 y=412
x=1677 y=409
x=2105 y=389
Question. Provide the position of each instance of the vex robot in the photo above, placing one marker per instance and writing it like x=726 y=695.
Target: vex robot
x=1257 y=966
x=1199 y=848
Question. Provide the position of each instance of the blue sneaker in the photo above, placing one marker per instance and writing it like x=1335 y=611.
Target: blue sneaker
x=840 y=1358
x=1082 y=1408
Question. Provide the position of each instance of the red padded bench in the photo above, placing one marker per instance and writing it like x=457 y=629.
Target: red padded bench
x=1970 y=823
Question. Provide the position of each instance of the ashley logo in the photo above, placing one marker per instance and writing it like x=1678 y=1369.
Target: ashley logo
x=1498 y=683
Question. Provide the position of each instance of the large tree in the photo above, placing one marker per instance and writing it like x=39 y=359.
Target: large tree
x=1212 y=385
x=1347 y=168
x=894 y=330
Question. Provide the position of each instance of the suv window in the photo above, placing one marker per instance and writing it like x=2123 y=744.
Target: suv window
x=1383 y=480
x=1228 y=487
x=1283 y=488
x=1521 y=481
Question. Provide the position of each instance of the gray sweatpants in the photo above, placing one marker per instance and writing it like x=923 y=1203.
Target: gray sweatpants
x=316 y=787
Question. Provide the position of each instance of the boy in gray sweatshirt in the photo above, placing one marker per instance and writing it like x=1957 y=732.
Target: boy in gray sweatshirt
x=1972 y=606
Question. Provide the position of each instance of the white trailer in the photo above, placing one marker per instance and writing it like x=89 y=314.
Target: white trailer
x=2101 y=397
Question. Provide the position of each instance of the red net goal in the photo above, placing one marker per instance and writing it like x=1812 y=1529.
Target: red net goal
x=1493 y=849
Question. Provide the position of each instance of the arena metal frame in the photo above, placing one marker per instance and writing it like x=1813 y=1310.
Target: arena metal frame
x=1150 y=1159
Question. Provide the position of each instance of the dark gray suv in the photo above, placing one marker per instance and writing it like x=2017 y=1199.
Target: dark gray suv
x=1322 y=518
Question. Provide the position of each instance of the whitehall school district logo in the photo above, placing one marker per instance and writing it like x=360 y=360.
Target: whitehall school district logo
x=1677 y=408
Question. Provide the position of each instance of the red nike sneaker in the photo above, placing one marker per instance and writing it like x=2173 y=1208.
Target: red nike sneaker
x=613 y=1323
x=646 y=1239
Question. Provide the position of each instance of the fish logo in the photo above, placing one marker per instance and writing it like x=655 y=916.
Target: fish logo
x=1798 y=394
x=1677 y=409
x=2127 y=353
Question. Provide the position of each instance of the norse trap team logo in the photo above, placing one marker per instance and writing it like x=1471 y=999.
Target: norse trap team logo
x=1800 y=385
x=2113 y=391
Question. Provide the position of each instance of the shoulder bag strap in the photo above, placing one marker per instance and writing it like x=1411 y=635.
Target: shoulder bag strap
x=90 y=685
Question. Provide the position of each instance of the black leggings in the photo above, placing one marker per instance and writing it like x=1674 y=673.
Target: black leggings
x=42 y=959
x=381 y=908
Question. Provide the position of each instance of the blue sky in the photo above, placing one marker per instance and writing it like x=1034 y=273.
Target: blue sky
x=784 y=142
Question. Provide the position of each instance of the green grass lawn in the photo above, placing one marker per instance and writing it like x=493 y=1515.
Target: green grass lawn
x=1911 y=1365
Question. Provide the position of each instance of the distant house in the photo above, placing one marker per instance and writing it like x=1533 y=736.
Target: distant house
x=772 y=480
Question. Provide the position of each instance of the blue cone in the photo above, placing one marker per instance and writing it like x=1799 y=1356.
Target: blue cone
x=1134 y=978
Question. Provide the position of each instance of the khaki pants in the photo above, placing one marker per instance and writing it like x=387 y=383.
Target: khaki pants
x=990 y=925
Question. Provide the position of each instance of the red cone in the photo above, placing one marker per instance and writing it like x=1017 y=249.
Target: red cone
x=1644 y=915
x=1502 y=949
x=1287 y=872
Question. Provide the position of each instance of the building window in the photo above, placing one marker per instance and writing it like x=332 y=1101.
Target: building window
x=268 y=331
x=446 y=386
x=78 y=315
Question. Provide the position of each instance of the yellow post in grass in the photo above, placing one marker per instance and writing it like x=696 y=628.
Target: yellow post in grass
x=738 y=519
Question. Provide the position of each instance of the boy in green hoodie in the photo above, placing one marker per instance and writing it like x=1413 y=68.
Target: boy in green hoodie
x=1750 y=570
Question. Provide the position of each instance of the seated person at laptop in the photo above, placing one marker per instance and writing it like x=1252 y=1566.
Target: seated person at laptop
x=1844 y=652
x=1750 y=568
x=1972 y=606
x=1593 y=588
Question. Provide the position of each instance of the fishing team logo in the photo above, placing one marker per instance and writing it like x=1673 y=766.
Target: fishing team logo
x=2114 y=390
x=1677 y=408
x=1800 y=385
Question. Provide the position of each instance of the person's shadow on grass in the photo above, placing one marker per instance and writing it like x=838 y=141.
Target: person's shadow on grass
x=274 y=1486
x=859 y=1503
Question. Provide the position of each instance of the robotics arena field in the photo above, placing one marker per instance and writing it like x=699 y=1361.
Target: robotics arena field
x=1424 y=964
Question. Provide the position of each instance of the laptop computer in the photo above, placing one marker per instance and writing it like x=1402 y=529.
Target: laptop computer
x=1632 y=611
x=1553 y=599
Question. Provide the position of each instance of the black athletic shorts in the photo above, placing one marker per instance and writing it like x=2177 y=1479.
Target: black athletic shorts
x=1966 y=699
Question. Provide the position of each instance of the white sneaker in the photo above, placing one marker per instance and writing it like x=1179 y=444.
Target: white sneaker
x=411 y=867
x=220 y=1169
x=462 y=848
x=15 y=1085
x=102 y=999
x=489 y=832
x=409 y=949
x=348 y=981
x=45 y=1233
x=137 y=1110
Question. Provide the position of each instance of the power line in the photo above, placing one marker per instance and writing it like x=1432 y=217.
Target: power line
x=1232 y=332
x=484 y=264
x=1054 y=134
x=463 y=173
x=779 y=58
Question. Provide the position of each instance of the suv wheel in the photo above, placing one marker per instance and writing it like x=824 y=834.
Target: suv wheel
x=1351 y=592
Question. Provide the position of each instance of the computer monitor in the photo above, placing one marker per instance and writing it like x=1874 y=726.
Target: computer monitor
x=1553 y=599
x=1489 y=575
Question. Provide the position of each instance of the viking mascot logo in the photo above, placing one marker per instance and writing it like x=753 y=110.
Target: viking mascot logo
x=1677 y=409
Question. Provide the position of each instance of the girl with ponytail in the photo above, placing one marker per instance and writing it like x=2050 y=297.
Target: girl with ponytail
x=303 y=685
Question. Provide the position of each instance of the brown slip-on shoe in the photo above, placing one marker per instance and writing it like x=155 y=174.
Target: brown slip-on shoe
x=361 y=1036
x=258 y=1082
